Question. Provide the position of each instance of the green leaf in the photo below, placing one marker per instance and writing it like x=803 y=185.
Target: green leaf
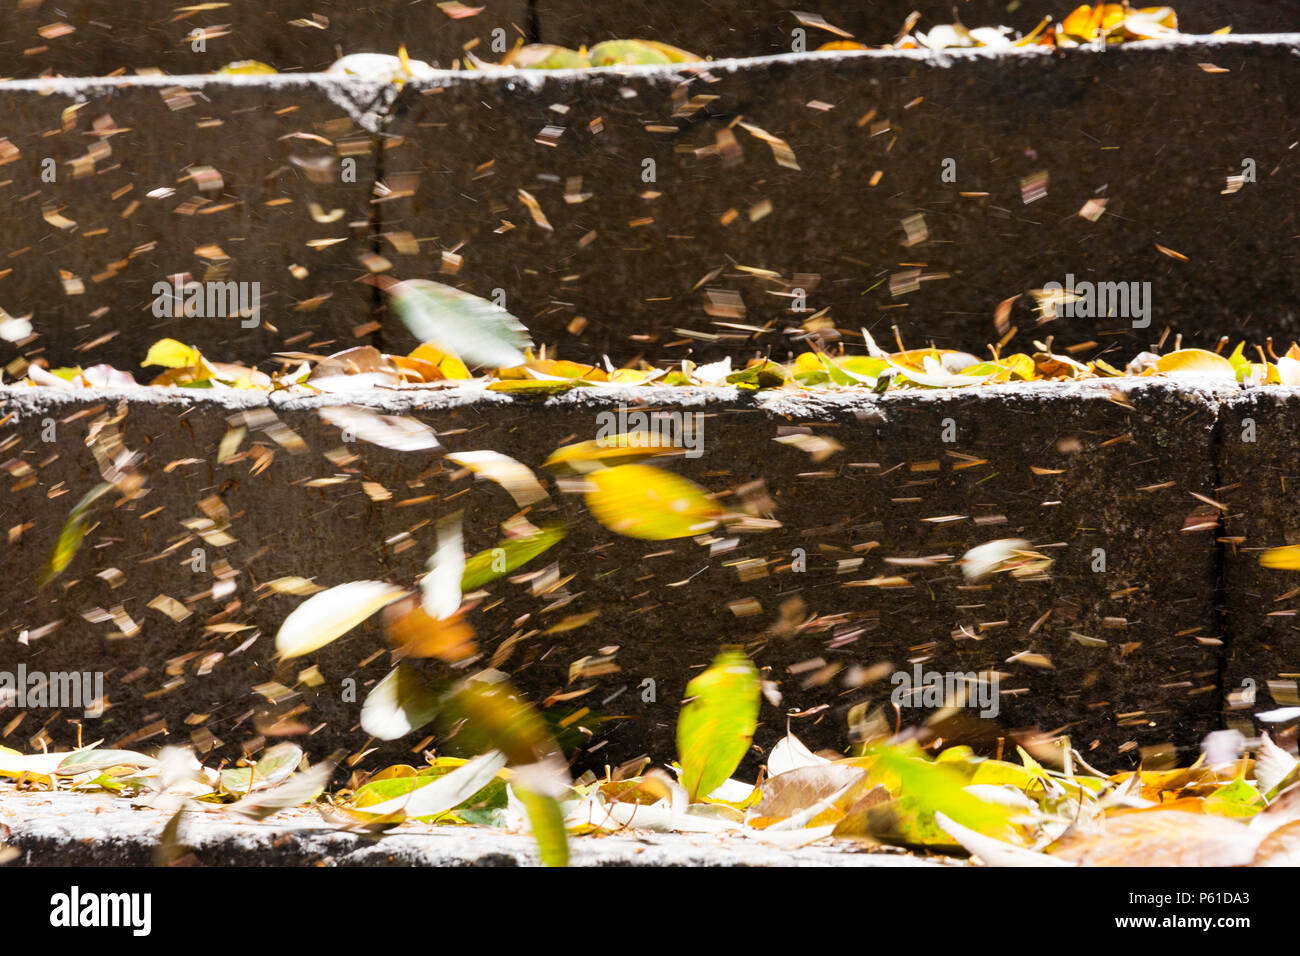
x=716 y=726
x=1235 y=799
x=920 y=787
x=440 y=794
x=474 y=329
x=546 y=818
x=71 y=535
x=487 y=566
x=275 y=767
x=491 y=797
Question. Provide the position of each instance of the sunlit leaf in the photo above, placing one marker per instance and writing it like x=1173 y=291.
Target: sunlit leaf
x=1159 y=838
x=546 y=820
x=512 y=553
x=445 y=792
x=1284 y=558
x=919 y=788
x=472 y=328
x=516 y=478
x=717 y=723
x=172 y=354
x=71 y=534
x=275 y=767
x=299 y=789
x=399 y=704
x=328 y=615
x=412 y=632
x=1197 y=363
x=398 y=432
x=626 y=53
x=642 y=501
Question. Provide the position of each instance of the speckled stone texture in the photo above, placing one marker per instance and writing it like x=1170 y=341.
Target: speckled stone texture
x=1070 y=468
x=718 y=242
x=67 y=829
x=1258 y=477
x=249 y=177
x=288 y=35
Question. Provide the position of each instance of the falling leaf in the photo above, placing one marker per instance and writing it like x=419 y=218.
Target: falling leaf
x=398 y=432
x=71 y=534
x=516 y=478
x=462 y=324
x=717 y=723
x=327 y=616
x=399 y=704
x=642 y=501
x=512 y=553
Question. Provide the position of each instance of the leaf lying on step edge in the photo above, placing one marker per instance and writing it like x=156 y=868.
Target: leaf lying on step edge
x=436 y=795
x=299 y=789
x=274 y=767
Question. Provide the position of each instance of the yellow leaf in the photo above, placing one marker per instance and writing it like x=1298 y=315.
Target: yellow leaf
x=172 y=354
x=1197 y=362
x=641 y=501
x=446 y=363
x=1286 y=558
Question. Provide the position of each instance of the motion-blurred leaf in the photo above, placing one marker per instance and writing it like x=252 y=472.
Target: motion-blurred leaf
x=642 y=501
x=400 y=703
x=717 y=723
x=328 y=615
x=472 y=328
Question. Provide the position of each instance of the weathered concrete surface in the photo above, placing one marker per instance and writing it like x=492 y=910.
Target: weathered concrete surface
x=81 y=829
x=763 y=27
x=638 y=261
x=1145 y=127
x=289 y=35
x=82 y=253
x=305 y=35
x=1258 y=476
x=1072 y=468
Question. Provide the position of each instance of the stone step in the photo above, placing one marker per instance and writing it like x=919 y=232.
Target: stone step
x=720 y=240
x=765 y=27
x=98 y=37
x=1151 y=613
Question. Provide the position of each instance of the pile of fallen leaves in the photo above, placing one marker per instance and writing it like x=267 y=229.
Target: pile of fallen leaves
x=459 y=330
x=1102 y=23
x=1050 y=808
